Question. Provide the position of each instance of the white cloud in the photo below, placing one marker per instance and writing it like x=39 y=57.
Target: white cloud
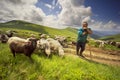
x=48 y=5
x=104 y=26
x=87 y=19
x=20 y=10
x=72 y=13
x=53 y=3
x=110 y=25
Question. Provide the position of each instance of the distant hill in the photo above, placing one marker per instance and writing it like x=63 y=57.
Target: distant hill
x=68 y=32
x=23 y=25
x=112 y=37
x=99 y=34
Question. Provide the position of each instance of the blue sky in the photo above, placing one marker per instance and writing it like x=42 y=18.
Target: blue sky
x=100 y=14
x=105 y=10
x=41 y=4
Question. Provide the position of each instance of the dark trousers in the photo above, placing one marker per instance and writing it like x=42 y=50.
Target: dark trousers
x=80 y=46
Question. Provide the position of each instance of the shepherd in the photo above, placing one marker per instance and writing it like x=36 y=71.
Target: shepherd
x=82 y=38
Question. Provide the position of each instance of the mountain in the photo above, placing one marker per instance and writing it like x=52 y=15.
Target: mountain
x=112 y=37
x=23 y=25
x=98 y=34
x=68 y=32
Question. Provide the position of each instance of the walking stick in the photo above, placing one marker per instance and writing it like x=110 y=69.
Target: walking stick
x=90 y=51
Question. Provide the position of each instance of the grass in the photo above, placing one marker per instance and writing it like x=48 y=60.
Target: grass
x=21 y=25
x=112 y=38
x=106 y=46
x=54 y=68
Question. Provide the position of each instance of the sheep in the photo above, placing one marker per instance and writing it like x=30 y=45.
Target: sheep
x=3 y=38
x=62 y=40
x=100 y=43
x=19 y=45
x=56 y=46
x=118 y=44
x=9 y=33
x=44 y=46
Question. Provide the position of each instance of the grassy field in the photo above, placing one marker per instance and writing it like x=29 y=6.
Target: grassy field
x=21 y=25
x=112 y=38
x=54 y=68
x=106 y=46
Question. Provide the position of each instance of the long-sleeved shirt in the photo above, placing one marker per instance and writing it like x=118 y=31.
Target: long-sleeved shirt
x=81 y=37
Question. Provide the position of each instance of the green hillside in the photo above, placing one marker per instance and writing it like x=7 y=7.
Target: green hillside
x=22 y=25
x=52 y=68
x=112 y=37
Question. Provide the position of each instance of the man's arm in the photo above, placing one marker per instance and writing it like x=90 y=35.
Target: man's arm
x=89 y=31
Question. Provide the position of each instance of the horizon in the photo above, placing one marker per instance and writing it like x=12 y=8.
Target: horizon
x=113 y=31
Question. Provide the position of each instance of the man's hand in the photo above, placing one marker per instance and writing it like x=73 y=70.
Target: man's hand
x=89 y=31
x=84 y=33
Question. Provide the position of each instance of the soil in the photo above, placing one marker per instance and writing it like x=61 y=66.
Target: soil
x=97 y=55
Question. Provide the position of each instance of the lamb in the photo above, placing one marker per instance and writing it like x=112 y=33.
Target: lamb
x=19 y=45
x=44 y=46
x=56 y=46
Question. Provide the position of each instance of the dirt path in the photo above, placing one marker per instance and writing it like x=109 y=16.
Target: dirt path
x=97 y=55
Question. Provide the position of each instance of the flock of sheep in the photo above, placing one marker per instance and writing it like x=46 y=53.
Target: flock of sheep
x=101 y=43
x=29 y=45
x=43 y=44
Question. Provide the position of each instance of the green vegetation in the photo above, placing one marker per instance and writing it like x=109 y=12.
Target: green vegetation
x=106 y=46
x=54 y=68
x=112 y=38
x=21 y=25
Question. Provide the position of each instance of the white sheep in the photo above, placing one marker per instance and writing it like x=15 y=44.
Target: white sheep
x=56 y=46
x=44 y=46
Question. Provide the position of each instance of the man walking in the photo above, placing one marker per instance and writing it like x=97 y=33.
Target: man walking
x=82 y=38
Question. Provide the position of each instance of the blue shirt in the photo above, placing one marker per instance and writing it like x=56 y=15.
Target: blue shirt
x=81 y=37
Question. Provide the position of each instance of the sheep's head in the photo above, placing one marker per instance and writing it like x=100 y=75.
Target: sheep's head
x=41 y=44
x=32 y=41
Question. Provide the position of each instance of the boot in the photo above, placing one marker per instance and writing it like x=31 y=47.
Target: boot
x=81 y=54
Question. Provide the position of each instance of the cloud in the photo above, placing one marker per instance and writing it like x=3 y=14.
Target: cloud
x=51 y=6
x=77 y=2
x=104 y=26
x=87 y=19
x=110 y=25
x=48 y=5
x=53 y=3
x=71 y=13
x=20 y=10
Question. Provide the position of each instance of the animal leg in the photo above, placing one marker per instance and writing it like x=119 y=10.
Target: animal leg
x=13 y=52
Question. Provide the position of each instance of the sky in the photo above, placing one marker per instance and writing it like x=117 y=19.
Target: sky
x=100 y=14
